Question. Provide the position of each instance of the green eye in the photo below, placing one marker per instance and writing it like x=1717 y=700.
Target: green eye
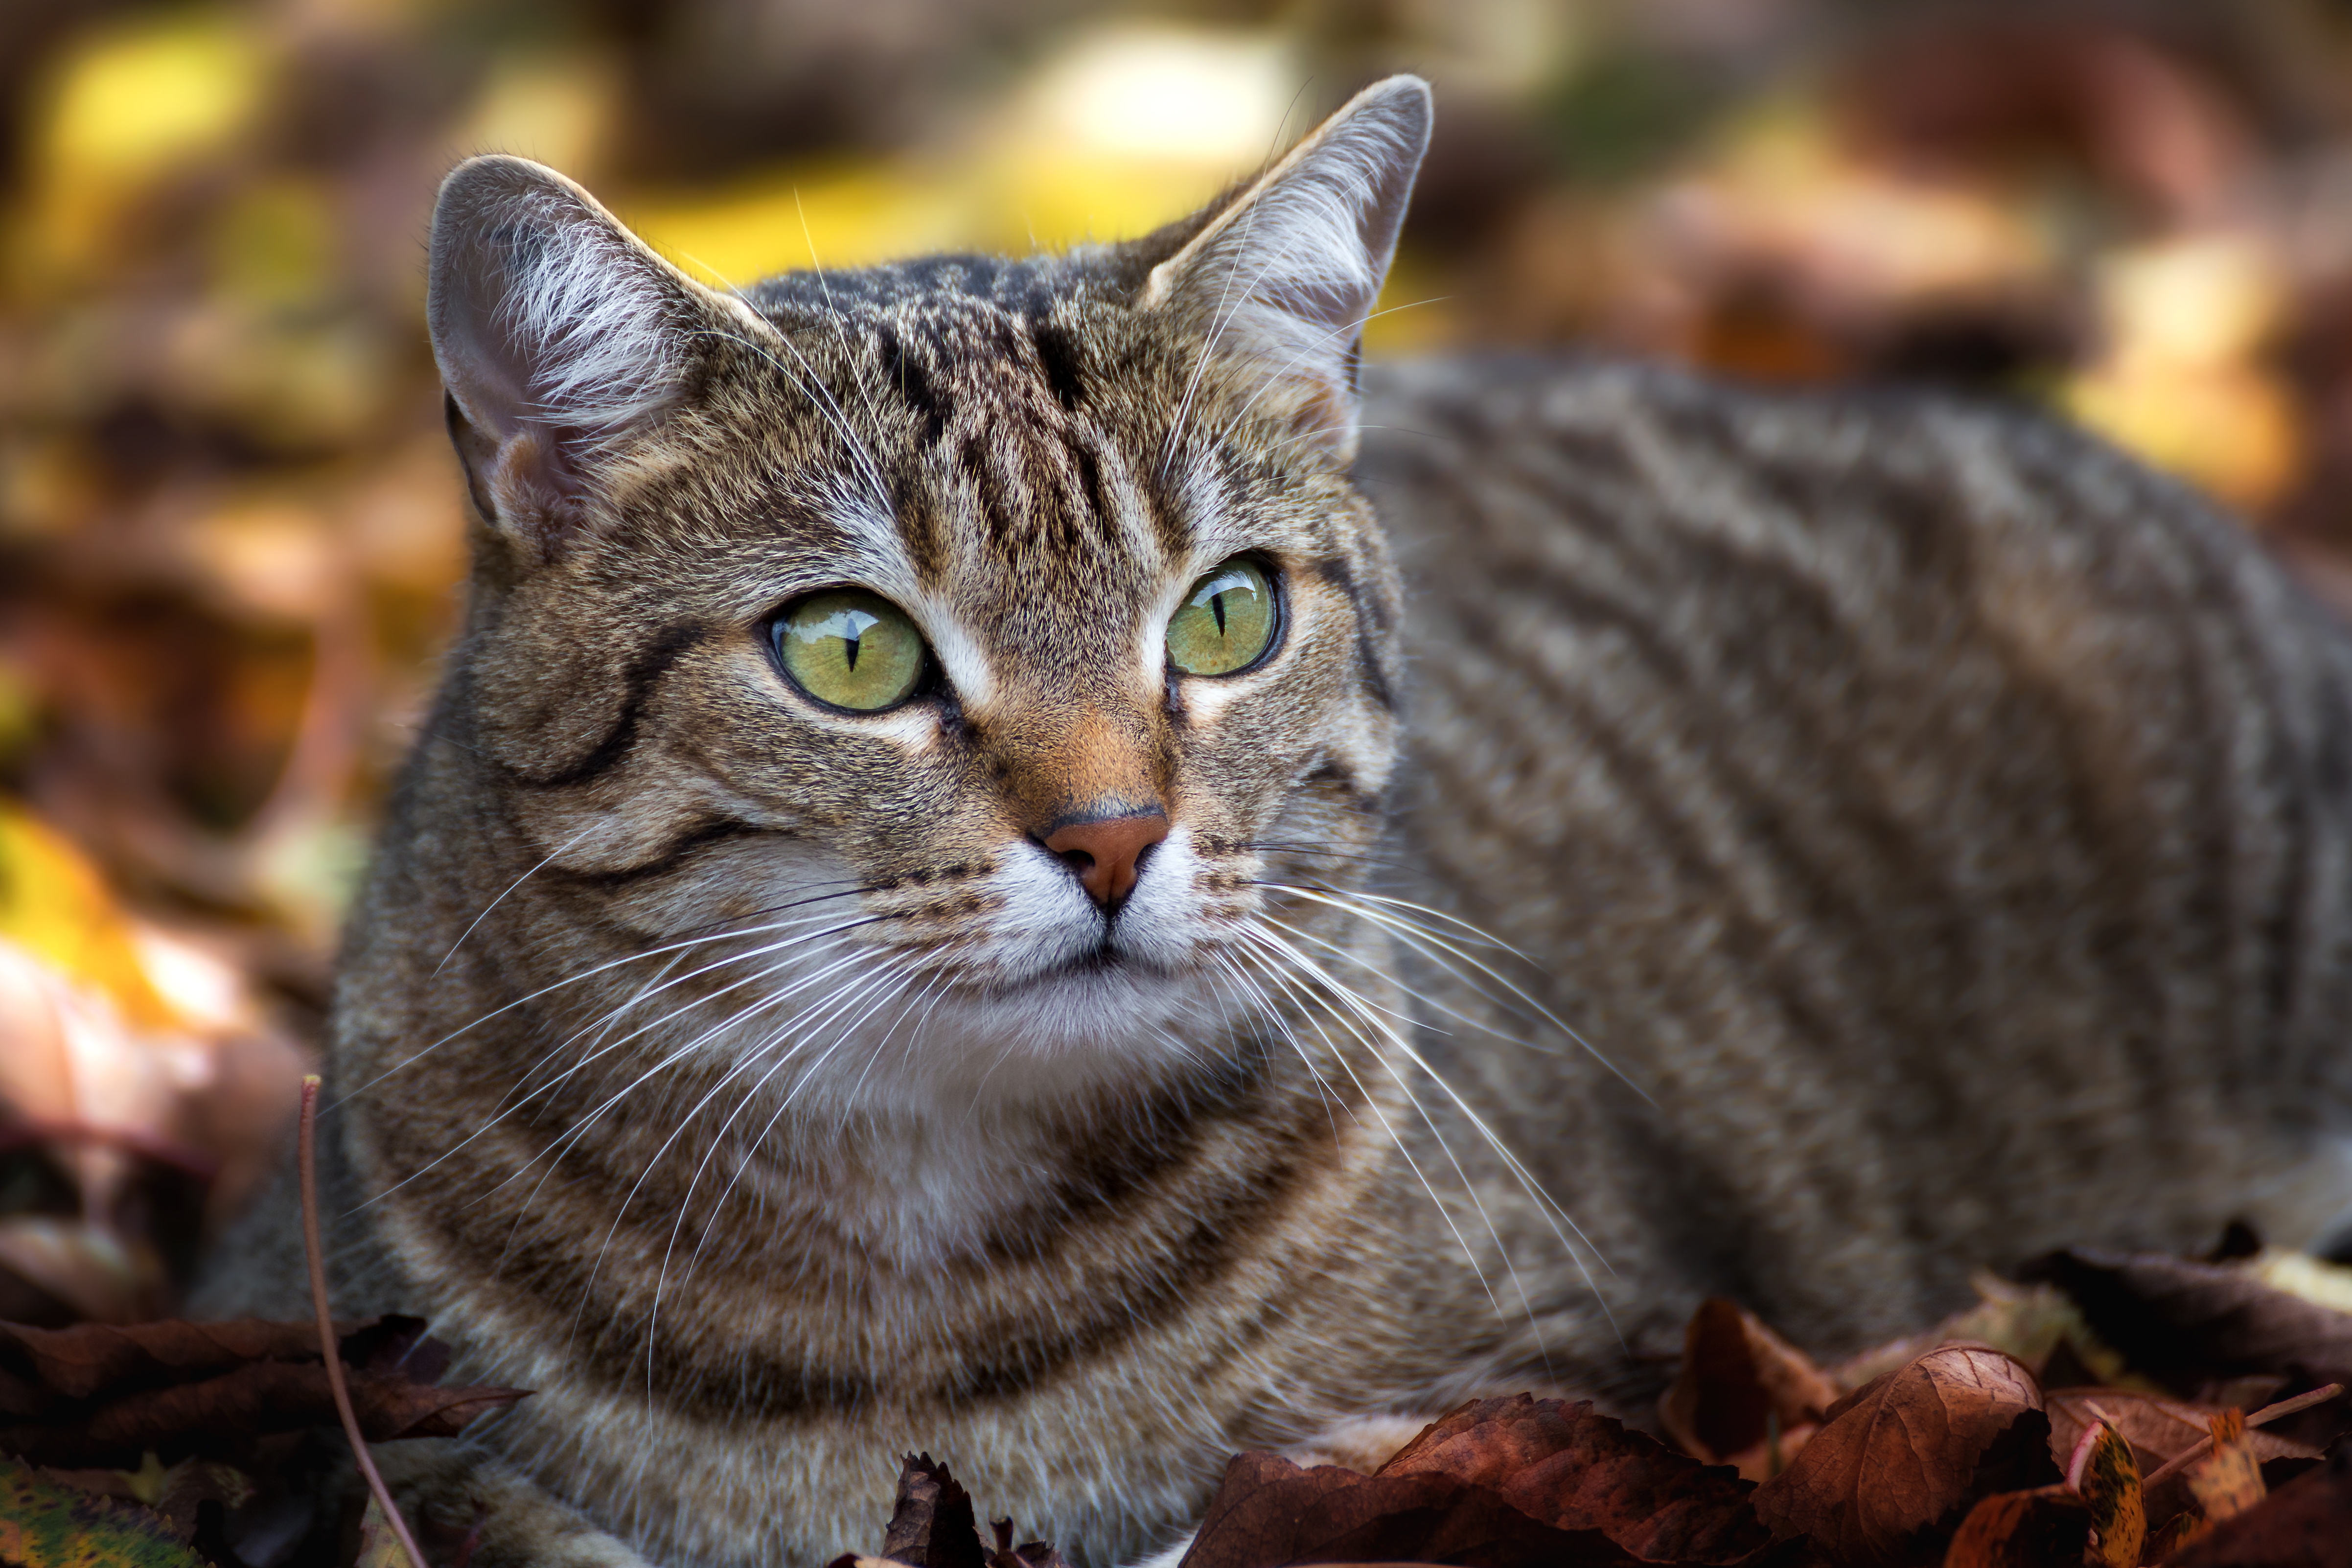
x=1224 y=623
x=850 y=649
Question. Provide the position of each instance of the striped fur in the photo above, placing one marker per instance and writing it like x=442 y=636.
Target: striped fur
x=1942 y=828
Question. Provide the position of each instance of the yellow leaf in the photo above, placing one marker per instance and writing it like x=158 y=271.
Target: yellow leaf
x=379 y=1547
x=53 y=904
x=2230 y=1480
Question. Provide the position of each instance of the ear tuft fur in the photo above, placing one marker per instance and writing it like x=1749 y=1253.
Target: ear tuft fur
x=1286 y=274
x=557 y=332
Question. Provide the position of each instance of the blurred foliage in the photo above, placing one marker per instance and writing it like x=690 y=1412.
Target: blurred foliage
x=231 y=536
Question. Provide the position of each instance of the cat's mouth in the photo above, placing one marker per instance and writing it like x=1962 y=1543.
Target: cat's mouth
x=1102 y=961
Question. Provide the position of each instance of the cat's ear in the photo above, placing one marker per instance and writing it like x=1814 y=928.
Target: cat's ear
x=1286 y=273
x=560 y=336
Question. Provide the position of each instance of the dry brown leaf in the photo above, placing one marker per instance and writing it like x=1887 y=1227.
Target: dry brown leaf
x=2037 y=1324
x=1268 y=1510
x=1739 y=1383
x=1028 y=1554
x=2021 y=1529
x=1898 y=1463
x=931 y=1525
x=95 y=1396
x=1569 y=1468
x=2185 y=1323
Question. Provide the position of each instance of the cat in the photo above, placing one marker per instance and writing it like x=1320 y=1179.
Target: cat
x=1020 y=858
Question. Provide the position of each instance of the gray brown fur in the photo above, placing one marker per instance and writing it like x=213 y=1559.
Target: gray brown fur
x=1943 y=827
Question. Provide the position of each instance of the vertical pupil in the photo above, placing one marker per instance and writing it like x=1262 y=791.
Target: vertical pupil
x=851 y=629
x=1217 y=608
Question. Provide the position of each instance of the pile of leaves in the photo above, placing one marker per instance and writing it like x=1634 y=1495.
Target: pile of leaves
x=2114 y=1410
x=1962 y=1451
x=175 y=1444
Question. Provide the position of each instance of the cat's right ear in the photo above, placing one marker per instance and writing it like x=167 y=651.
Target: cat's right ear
x=560 y=336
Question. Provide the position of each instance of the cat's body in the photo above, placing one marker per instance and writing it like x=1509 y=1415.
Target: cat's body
x=1942 y=828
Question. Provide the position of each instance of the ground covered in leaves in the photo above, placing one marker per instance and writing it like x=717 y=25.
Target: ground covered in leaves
x=2109 y=1410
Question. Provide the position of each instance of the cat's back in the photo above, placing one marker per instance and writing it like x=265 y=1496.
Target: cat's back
x=1930 y=810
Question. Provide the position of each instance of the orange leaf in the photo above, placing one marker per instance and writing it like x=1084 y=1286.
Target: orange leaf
x=2107 y=1478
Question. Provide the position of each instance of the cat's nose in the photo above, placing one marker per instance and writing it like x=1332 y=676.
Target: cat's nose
x=1106 y=852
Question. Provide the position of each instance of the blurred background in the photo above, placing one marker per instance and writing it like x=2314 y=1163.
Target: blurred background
x=230 y=536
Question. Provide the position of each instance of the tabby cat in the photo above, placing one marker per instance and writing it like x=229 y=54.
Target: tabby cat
x=1011 y=863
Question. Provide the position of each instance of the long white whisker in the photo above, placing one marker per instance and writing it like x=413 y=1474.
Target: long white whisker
x=1545 y=1203
x=1417 y=935
x=584 y=974
x=1290 y=987
x=501 y=899
x=606 y=1049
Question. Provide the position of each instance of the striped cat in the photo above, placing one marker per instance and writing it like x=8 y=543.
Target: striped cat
x=1012 y=863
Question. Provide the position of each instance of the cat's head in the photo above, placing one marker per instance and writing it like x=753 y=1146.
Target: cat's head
x=975 y=638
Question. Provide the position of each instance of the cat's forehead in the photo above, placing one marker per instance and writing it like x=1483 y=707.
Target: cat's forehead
x=1023 y=427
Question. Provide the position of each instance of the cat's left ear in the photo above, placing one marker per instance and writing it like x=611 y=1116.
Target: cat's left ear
x=1284 y=275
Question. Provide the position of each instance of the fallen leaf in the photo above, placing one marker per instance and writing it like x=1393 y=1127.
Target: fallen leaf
x=2103 y=1474
x=175 y=1493
x=2229 y=1480
x=1028 y=1554
x=95 y=1396
x=116 y=1081
x=2303 y=1524
x=1739 y=1382
x=45 y=1523
x=2156 y=1427
x=1566 y=1467
x=1901 y=1460
x=2174 y=1535
x=1270 y=1512
x=932 y=1526
x=2021 y=1529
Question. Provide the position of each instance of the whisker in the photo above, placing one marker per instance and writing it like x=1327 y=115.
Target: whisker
x=604 y=1050
x=1291 y=988
x=501 y=899
x=1417 y=935
x=753 y=1146
x=708 y=936
x=1545 y=1203
x=579 y=1128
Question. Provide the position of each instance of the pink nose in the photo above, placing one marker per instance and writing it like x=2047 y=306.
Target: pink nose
x=1104 y=853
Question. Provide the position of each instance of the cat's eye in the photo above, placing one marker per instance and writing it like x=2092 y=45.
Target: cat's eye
x=851 y=648
x=1227 y=621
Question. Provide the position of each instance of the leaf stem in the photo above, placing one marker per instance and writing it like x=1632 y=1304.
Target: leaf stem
x=330 y=1346
x=2267 y=1414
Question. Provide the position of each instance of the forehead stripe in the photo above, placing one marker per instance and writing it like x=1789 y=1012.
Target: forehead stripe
x=1057 y=361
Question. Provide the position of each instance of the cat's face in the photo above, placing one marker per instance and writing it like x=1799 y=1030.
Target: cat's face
x=973 y=642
